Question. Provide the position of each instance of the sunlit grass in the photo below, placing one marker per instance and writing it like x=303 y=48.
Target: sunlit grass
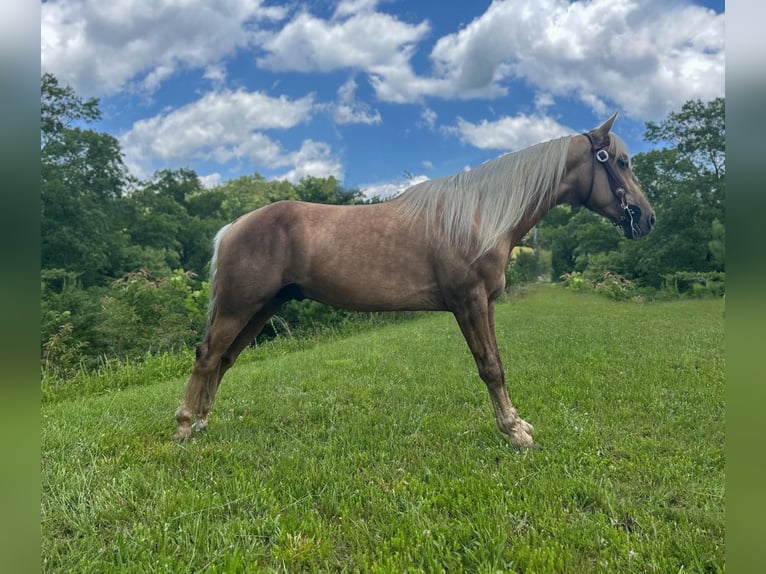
x=379 y=453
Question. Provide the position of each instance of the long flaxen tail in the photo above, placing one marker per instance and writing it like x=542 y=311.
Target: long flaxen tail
x=211 y=305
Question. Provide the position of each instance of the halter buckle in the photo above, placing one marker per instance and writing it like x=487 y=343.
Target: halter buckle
x=602 y=155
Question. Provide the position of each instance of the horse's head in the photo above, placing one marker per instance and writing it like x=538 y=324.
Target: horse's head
x=606 y=183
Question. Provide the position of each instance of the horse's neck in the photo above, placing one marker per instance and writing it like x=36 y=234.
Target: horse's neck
x=527 y=222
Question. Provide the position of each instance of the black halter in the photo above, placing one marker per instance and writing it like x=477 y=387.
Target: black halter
x=631 y=213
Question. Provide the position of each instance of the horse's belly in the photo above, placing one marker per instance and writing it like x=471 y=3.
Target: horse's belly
x=365 y=290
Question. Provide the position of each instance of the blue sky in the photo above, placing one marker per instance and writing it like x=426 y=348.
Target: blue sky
x=378 y=93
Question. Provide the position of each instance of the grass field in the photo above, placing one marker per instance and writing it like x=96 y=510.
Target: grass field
x=379 y=453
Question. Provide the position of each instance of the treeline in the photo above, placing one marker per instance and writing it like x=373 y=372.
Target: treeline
x=124 y=262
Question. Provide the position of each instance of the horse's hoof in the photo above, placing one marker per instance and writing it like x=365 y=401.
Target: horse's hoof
x=183 y=433
x=521 y=439
x=525 y=426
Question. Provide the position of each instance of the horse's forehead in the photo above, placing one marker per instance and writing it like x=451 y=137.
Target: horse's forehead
x=618 y=146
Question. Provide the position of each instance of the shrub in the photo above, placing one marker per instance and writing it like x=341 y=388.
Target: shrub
x=574 y=281
x=615 y=286
x=695 y=283
x=142 y=314
x=610 y=284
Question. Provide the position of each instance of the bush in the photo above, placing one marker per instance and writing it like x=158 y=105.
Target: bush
x=575 y=281
x=135 y=315
x=142 y=314
x=610 y=284
x=695 y=283
x=615 y=286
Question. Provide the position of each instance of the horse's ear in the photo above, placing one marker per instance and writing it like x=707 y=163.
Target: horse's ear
x=601 y=133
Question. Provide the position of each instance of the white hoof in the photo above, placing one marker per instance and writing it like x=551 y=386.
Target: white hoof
x=521 y=439
x=525 y=426
x=183 y=433
x=200 y=425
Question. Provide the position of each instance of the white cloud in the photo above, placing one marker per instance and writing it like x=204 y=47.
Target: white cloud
x=350 y=111
x=543 y=101
x=428 y=117
x=389 y=189
x=351 y=7
x=210 y=180
x=100 y=47
x=216 y=74
x=646 y=57
x=357 y=38
x=509 y=133
x=313 y=159
x=221 y=126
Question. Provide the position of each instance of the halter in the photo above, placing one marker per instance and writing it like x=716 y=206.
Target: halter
x=630 y=212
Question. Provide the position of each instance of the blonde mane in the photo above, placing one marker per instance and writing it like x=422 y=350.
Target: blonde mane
x=616 y=147
x=474 y=210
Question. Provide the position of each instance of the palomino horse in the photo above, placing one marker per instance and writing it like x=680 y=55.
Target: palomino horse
x=443 y=245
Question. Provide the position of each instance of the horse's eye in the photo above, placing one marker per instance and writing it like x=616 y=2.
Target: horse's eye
x=623 y=162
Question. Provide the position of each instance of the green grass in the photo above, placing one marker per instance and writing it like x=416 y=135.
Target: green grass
x=379 y=453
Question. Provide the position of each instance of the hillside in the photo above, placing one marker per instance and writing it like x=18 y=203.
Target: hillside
x=379 y=453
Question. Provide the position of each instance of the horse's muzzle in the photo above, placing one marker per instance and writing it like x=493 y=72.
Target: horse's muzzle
x=632 y=224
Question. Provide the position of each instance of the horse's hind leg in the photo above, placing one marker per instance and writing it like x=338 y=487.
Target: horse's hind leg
x=245 y=337
x=218 y=339
x=476 y=320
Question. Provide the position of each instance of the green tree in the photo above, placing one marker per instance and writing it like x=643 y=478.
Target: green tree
x=60 y=107
x=686 y=184
x=698 y=134
x=574 y=236
x=159 y=216
x=326 y=190
x=249 y=192
x=82 y=173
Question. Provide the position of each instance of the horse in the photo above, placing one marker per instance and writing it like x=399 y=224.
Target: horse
x=442 y=245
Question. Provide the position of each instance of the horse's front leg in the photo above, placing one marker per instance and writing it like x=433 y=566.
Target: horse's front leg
x=476 y=319
x=245 y=337
x=206 y=372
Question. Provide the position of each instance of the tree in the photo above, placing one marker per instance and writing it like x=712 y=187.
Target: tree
x=697 y=133
x=250 y=192
x=686 y=184
x=59 y=108
x=82 y=173
x=326 y=190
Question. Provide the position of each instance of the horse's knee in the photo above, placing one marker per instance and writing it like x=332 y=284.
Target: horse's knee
x=491 y=372
x=204 y=361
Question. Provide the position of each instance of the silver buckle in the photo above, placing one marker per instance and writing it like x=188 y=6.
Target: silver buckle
x=602 y=155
